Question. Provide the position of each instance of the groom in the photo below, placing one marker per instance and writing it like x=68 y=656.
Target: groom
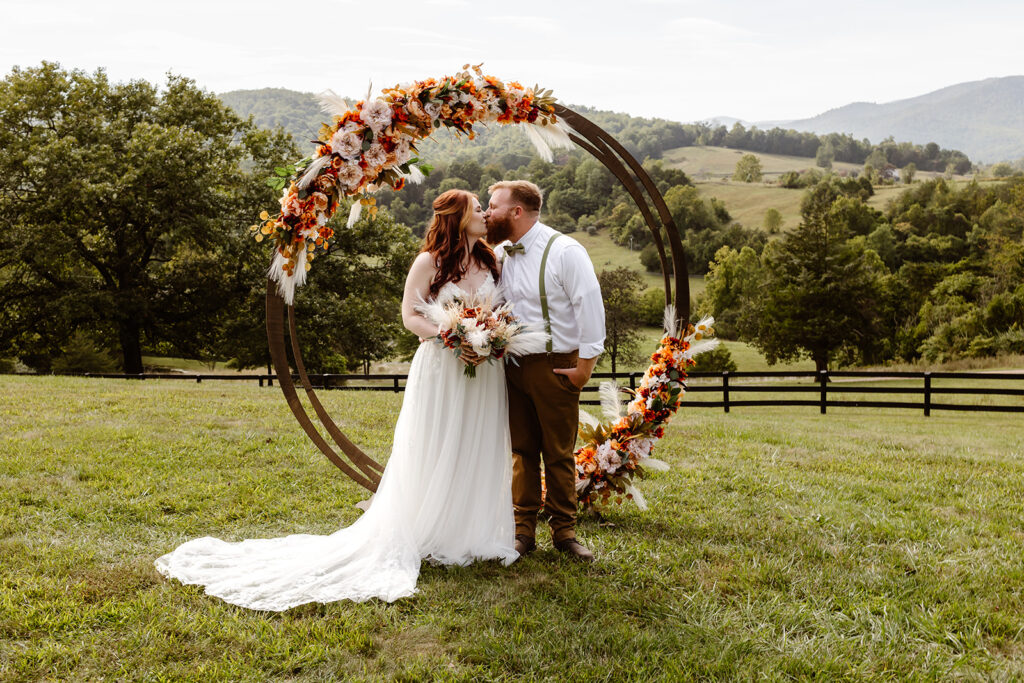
x=549 y=279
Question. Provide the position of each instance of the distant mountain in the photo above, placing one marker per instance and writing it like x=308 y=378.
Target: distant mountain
x=983 y=119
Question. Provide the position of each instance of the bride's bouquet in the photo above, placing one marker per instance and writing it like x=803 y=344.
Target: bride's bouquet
x=491 y=330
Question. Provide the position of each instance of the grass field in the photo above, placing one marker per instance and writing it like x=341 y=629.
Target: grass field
x=712 y=167
x=781 y=545
x=707 y=163
x=605 y=255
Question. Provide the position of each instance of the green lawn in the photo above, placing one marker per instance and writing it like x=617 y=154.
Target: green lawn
x=782 y=544
x=164 y=363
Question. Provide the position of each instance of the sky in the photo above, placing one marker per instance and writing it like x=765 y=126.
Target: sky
x=676 y=59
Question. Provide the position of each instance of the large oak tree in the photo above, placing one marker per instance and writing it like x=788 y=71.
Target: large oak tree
x=123 y=210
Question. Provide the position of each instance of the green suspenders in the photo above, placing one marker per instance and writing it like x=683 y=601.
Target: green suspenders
x=543 y=291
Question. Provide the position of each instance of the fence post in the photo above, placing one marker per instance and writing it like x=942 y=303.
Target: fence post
x=261 y=381
x=823 y=381
x=199 y=379
x=395 y=390
x=725 y=390
x=632 y=381
x=927 y=394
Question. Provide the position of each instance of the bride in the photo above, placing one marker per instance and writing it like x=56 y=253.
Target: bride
x=445 y=495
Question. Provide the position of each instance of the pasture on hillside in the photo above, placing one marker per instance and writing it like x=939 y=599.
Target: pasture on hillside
x=711 y=169
x=781 y=544
x=607 y=255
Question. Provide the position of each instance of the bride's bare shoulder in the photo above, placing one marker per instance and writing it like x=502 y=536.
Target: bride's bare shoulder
x=424 y=262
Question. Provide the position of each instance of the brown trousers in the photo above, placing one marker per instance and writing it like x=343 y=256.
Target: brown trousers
x=543 y=410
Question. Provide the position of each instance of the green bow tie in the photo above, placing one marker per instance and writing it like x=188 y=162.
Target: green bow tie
x=513 y=249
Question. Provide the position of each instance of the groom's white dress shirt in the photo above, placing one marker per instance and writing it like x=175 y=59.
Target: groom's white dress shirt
x=575 y=307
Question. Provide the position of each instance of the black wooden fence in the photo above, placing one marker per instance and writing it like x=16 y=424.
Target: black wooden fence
x=924 y=391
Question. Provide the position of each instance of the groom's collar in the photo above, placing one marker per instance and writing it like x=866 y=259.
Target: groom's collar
x=532 y=235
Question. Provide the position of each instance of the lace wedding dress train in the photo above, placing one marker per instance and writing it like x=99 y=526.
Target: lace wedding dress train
x=445 y=496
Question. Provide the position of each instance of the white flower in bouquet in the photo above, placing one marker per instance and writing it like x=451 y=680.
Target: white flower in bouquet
x=350 y=175
x=480 y=340
x=433 y=110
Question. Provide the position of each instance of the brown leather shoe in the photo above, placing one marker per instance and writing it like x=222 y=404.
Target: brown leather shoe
x=575 y=550
x=525 y=544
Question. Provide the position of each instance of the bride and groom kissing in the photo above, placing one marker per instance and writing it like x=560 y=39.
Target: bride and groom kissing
x=463 y=482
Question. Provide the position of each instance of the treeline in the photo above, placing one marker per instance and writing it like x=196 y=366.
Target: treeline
x=937 y=276
x=833 y=146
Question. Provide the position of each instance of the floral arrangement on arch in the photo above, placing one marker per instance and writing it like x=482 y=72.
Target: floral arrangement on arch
x=617 y=451
x=373 y=144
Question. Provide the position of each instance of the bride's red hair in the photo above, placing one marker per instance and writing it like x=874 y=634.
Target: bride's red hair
x=446 y=240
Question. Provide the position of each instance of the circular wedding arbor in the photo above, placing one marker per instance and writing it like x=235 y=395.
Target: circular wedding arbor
x=351 y=460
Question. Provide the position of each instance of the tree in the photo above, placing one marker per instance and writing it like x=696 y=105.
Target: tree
x=124 y=211
x=620 y=289
x=748 y=169
x=82 y=353
x=718 y=359
x=652 y=307
x=909 y=171
x=1001 y=170
x=819 y=295
x=773 y=221
x=825 y=156
x=730 y=288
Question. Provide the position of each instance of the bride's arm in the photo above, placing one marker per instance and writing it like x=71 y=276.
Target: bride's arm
x=417 y=287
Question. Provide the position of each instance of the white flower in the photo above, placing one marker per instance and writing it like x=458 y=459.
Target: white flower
x=350 y=175
x=607 y=458
x=433 y=109
x=641 y=448
x=480 y=340
x=346 y=143
x=375 y=157
x=403 y=152
x=376 y=114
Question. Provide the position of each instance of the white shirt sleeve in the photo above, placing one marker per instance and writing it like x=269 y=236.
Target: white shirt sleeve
x=584 y=293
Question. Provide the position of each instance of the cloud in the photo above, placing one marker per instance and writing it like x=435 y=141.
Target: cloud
x=708 y=29
x=526 y=23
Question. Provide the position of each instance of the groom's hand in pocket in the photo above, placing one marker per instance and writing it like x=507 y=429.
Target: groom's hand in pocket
x=580 y=374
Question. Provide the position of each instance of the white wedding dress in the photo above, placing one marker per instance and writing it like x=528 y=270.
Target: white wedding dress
x=445 y=496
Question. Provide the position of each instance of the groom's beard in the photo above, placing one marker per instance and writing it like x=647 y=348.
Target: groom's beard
x=498 y=230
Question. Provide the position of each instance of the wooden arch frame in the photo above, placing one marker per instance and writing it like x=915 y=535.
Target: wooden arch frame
x=363 y=469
